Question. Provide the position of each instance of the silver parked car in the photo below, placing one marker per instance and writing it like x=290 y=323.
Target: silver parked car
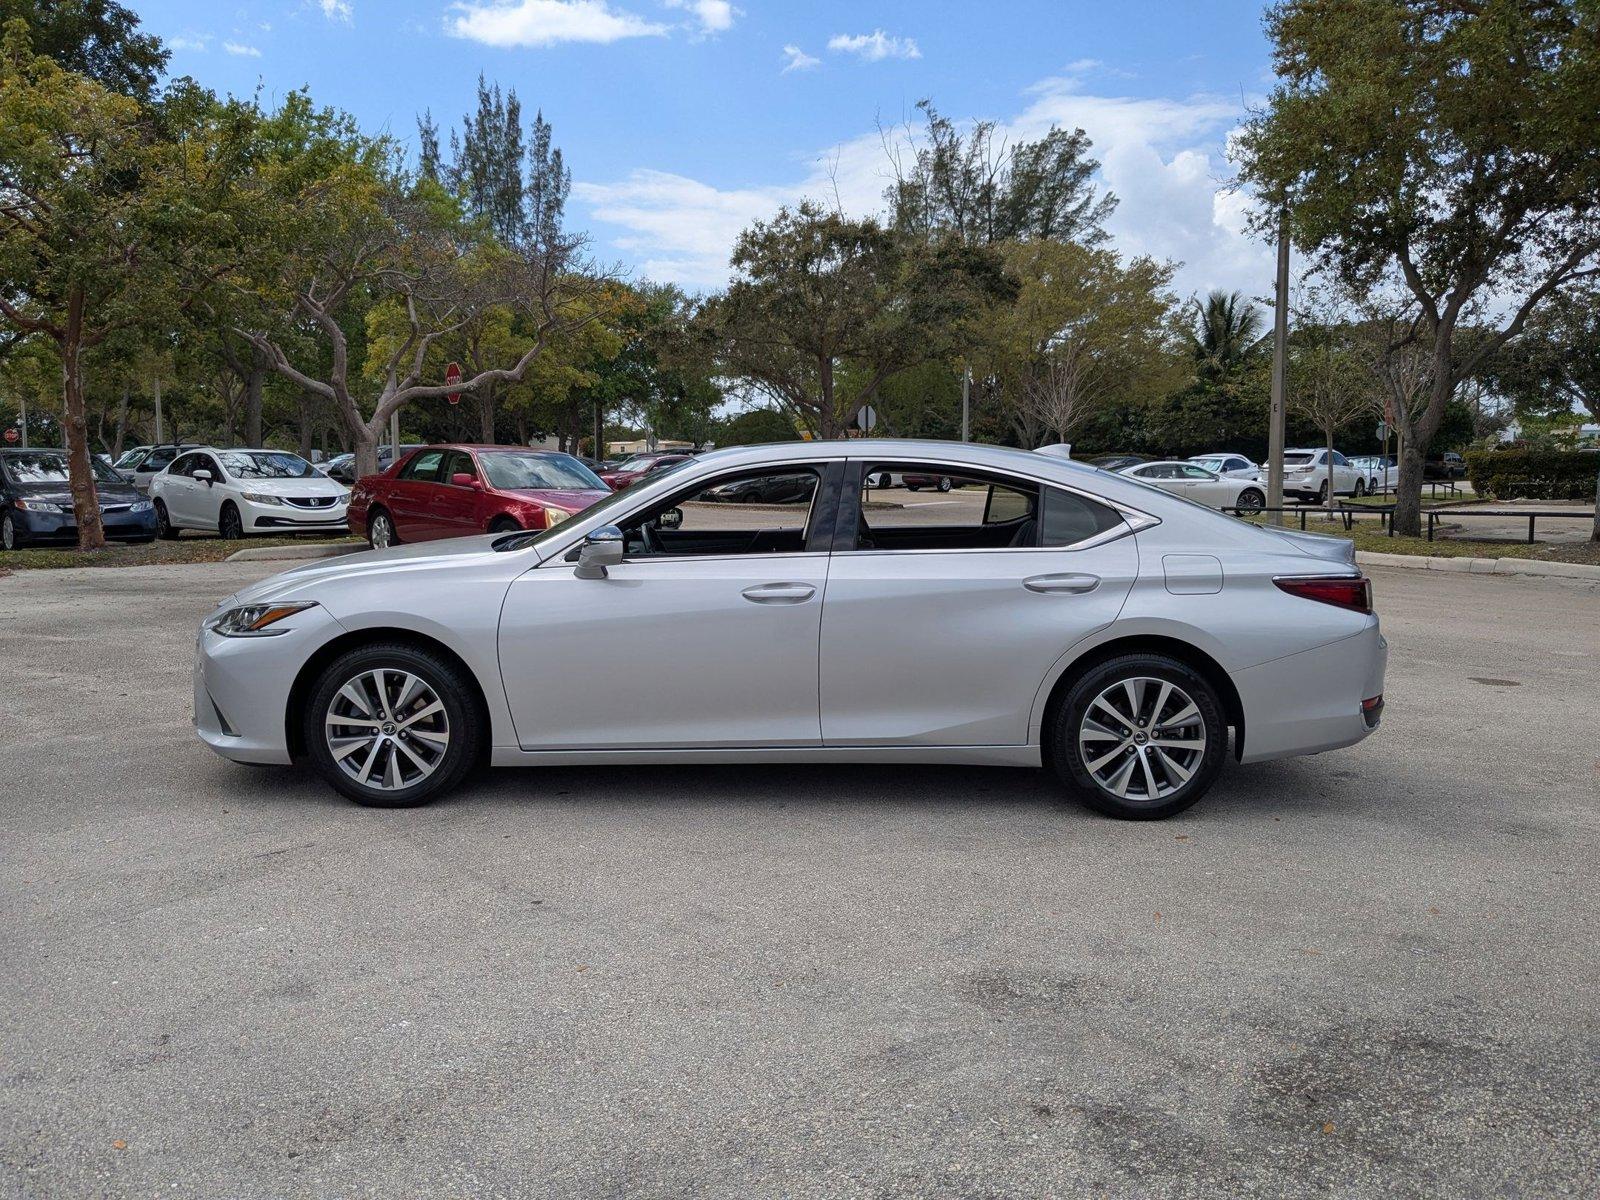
x=1043 y=614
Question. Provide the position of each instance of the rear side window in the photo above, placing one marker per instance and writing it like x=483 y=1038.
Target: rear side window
x=1069 y=518
x=424 y=467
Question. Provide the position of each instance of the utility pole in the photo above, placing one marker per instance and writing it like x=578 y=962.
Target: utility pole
x=158 y=410
x=966 y=396
x=1280 y=367
x=22 y=399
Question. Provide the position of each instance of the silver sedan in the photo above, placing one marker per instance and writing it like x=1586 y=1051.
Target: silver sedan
x=1041 y=613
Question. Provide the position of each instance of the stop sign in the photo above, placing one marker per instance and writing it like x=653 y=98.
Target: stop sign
x=452 y=374
x=12 y=436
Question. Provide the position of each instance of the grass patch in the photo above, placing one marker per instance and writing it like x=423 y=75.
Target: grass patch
x=1368 y=537
x=154 y=554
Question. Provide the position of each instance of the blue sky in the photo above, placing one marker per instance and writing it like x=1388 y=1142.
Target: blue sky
x=683 y=120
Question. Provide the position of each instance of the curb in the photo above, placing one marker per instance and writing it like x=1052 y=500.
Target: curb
x=1480 y=566
x=276 y=553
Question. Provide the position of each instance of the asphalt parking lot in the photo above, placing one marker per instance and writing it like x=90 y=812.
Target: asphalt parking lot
x=1370 y=973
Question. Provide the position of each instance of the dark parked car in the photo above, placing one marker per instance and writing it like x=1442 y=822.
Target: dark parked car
x=642 y=465
x=915 y=483
x=1446 y=465
x=1119 y=462
x=768 y=489
x=36 y=501
x=343 y=466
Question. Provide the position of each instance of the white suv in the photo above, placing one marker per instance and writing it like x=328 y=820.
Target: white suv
x=1305 y=475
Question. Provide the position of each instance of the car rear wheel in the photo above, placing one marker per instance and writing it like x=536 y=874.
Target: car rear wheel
x=392 y=725
x=229 y=526
x=944 y=485
x=380 y=530
x=1251 y=500
x=1361 y=488
x=10 y=535
x=1139 y=737
x=1322 y=493
x=165 y=529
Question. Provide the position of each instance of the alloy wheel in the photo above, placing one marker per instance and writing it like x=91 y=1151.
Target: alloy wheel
x=1251 y=500
x=387 y=729
x=1142 y=739
x=380 y=533
x=8 y=532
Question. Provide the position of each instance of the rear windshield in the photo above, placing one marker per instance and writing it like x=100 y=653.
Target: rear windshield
x=1298 y=460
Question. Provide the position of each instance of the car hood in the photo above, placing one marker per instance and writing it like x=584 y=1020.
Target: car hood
x=316 y=485
x=564 y=500
x=60 y=493
x=304 y=581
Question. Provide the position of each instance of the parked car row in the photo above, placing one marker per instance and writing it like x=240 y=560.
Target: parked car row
x=36 y=501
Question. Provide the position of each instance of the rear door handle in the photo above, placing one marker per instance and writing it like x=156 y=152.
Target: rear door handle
x=779 y=593
x=1072 y=585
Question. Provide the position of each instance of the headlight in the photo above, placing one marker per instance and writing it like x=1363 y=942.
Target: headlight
x=139 y=506
x=42 y=506
x=259 y=498
x=554 y=517
x=256 y=620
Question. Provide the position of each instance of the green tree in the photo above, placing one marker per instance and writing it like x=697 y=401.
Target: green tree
x=815 y=292
x=105 y=224
x=1226 y=334
x=757 y=427
x=97 y=38
x=1449 y=145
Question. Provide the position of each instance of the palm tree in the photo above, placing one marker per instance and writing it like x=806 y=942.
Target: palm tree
x=1226 y=332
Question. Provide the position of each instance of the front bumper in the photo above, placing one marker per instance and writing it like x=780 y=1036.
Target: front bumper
x=291 y=518
x=122 y=525
x=242 y=685
x=1312 y=701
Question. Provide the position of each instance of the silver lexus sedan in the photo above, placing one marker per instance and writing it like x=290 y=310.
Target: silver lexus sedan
x=1041 y=613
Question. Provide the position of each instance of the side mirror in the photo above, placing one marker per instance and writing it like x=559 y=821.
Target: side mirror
x=202 y=474
x=671 y=519
x=462 y=479
x=601 y=549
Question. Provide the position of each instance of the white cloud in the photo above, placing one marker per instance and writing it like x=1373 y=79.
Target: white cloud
x=337 y=10
x=1164 y=158
x=545 y=22
x=197 y=44
x=796 y=59
x=240 y=50
x=713 y=16
x=874 y=46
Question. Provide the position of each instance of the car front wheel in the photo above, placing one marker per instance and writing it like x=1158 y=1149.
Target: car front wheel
x=391 y=725
x=1139 y=737
x=10 y=538
x=165 y=529
x=380 y=531
x=229 y=526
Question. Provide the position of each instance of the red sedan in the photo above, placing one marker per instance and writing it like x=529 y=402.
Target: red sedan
x=455 y=491
x=641 y=466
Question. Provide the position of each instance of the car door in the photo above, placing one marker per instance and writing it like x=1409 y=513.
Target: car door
x=944 y=634
x=410 y=499
x=1206 y=487
x=176 y=490
x=206 y=498
x=453 y=508
x=705 y=635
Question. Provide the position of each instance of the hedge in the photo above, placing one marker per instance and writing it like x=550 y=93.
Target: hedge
x=1533 y=474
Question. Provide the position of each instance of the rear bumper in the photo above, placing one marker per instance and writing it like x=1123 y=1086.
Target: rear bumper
x=1312 y=701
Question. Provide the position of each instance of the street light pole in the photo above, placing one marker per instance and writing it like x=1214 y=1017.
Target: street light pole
x=1280 y=365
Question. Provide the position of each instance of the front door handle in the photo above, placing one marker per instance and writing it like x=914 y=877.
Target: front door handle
x=779 y=593
x=1072 y=584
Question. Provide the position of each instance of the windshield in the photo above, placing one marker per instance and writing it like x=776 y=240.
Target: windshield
x=552 y=472
x=50 y=466
x=132 y=456
x=1213 y=464
x=266 y=464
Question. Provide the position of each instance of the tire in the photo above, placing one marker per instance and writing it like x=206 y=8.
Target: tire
x=229 y=527
x=1252 y=500
x=165 y=530
x=381 y=533
x=945 y=485
x=913 y=487
x=420 y=770
x=1361 y=489
x=503 y=524
x=10 y=536
x=1322 y=493
x=1082 y=726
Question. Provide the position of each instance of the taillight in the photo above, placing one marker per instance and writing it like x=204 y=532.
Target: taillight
x=1343 y=591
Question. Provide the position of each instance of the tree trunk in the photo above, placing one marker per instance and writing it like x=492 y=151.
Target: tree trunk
x=305 y=425
x=122 y=423
x=1407 y=517
x=365 y=445
x=85 y=503
x=252 y=406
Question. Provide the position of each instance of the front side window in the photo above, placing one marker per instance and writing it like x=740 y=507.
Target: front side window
x=1339 y=460
x=184 y=465
x=751 y=513
x=1196 y=473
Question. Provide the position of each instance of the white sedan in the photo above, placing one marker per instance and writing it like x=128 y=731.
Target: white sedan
x=1194 y=482
x=235 y=492
x=1053 y=616
x=1229 y=466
